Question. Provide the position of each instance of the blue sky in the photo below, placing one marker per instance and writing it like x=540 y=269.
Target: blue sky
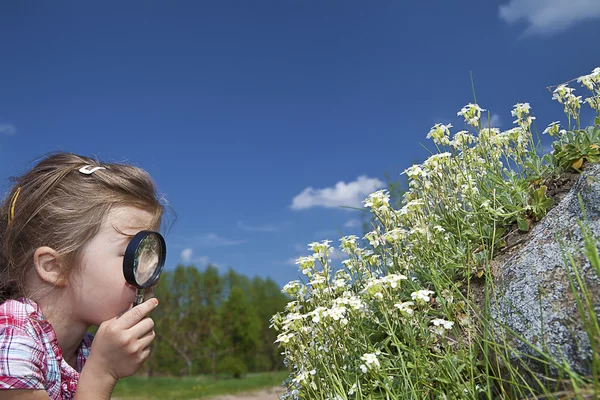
x=258 y=119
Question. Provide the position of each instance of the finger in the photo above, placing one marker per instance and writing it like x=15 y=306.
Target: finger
x=123 y=312
x=144 y=354
x=137 y=313
x=142 y=328
x=146 y=340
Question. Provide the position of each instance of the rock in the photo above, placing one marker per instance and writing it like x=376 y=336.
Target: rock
x=533 y=296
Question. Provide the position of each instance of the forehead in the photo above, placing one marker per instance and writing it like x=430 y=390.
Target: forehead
x=127 y=220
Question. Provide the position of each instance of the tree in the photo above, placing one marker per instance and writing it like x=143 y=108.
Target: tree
x=207 y=322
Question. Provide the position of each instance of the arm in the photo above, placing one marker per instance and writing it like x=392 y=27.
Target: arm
x=21 y=394
x=120 y=346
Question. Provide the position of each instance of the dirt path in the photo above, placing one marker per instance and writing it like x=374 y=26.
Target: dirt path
x=265 y=394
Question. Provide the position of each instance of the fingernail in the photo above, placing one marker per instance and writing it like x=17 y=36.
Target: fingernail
x=155 y=300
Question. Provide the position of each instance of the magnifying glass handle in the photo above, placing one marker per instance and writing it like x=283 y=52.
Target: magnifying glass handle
x=139 y=297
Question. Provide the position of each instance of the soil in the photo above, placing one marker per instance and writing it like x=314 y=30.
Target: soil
x=265 y=394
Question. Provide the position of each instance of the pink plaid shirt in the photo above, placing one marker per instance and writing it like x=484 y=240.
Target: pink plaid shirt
x=30 y=357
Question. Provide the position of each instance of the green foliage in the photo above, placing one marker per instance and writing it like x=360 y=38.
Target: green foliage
x=408 y=315
x=540 y=203
x=574 y=147
x=192 y=387
x=239 y=323
x=233 y=366
x=206 y=319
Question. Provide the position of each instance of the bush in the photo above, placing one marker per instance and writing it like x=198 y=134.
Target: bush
x=398 y=319
x=232 y=366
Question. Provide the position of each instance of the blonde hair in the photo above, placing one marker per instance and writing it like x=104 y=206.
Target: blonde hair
x=55 y=205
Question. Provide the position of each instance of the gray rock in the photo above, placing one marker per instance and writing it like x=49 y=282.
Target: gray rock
x=533 y=296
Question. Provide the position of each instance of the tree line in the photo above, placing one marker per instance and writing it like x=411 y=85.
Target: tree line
x=212 y=323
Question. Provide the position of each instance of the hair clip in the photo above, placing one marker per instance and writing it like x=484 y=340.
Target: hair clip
x=11 y=213
x=89 y=169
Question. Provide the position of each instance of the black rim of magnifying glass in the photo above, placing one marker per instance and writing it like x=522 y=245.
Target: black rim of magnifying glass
x=129 y=259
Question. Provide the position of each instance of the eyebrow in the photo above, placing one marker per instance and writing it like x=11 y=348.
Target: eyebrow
x=120 y=232
x=122 y=238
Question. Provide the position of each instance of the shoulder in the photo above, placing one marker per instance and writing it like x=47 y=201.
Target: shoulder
x=17 y=313
x=22 y=356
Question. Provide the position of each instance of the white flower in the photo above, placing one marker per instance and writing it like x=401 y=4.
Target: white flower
x=415 y=172
x=352 y=389
x=405 y=307
x=440 y=133
x=461 y=139
x=316 y=314
x=471 y=113
x=437 y=159
x=446 y=324
x=291 y=288
x=395 y=235
x=552 y=129
x=300 y=377
x=591 y=81
x=377 y=199
x=564 y=95
x=520 y=109
x=594 y=102
x=284 y=337
x=348 y=240
x=421 y=295
x=337 y=313
x=374 y=238
x=371 y=362
x=394 y=279
x=355 y=303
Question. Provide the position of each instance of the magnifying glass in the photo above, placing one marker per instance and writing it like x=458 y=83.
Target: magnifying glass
x=144 y=261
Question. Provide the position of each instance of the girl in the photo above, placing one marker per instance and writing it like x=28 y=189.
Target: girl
x=64 y=228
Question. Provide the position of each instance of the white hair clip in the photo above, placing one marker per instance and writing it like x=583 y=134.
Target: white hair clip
x=89 y=169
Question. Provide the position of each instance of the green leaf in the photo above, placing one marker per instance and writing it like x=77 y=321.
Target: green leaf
x=523 y=224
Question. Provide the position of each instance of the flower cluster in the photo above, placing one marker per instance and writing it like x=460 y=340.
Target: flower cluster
x=393 y=316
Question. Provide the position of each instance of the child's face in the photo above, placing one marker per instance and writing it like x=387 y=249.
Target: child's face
x=99 y=287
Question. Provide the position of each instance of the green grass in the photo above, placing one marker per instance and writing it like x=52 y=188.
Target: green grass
x=193 y=387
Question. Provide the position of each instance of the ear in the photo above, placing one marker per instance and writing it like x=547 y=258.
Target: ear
x=48 y=267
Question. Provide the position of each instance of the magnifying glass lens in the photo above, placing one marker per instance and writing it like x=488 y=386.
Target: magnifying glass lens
x=146 y=259
x=143 y=262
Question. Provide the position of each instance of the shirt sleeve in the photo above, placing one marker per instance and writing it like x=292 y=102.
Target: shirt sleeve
x=21 y=360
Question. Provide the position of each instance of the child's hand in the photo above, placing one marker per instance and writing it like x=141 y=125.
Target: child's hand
x=122 y=344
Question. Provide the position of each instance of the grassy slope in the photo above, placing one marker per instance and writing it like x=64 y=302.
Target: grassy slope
x=193 y=387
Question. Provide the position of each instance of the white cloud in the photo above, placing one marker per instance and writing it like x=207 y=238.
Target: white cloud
x=353 y=223
x=547 y=17
x=203 y=261
x=186 y=255
x=7 y=129
x=349 y=194
x=214 y=240
x=493 y=120
x=257 y=228
x=186 y=258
